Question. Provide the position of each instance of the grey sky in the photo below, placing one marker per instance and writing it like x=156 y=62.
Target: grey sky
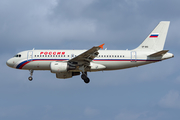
x=148 y=92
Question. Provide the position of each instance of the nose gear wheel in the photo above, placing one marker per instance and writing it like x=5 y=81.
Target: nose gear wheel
x=30 y=78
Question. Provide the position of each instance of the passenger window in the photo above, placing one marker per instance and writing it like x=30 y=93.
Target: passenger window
x=34 y=55
x=37 y=55
x=112 y=55
x=104 y=55
x=109 y=55
x=101 y=55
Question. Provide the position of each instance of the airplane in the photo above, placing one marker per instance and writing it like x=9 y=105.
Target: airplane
x=69 y=63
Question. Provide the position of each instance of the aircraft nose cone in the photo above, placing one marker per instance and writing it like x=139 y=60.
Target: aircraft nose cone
x=10 y=63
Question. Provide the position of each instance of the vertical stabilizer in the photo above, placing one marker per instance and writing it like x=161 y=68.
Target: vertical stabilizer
x=156 y=39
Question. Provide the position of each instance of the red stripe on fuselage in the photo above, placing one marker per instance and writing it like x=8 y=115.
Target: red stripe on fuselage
x=24 y=64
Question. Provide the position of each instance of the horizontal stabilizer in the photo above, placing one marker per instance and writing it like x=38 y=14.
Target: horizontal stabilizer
x=160 y=53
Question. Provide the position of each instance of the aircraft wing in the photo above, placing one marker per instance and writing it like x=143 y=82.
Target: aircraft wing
x=86 y=57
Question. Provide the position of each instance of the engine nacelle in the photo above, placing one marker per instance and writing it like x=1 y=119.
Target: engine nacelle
x=57 y=67
x=64 y=75
x=95 y=66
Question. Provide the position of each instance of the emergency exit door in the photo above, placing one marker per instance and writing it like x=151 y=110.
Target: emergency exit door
x=133 y=56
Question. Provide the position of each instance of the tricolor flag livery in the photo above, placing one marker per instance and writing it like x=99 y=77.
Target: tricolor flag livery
x=68 y=63
x=154 y=35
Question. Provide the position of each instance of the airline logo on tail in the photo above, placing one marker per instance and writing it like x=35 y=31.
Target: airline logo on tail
x=154 y=35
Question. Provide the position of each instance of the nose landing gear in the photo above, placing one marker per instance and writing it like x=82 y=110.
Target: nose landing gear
x=31 y=73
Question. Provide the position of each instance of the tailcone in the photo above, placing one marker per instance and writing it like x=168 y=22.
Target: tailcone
x=167 y=56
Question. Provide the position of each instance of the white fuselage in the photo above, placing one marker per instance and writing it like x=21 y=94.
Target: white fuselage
x=111 y=59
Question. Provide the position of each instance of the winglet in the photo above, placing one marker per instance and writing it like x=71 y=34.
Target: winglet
x=101 y=46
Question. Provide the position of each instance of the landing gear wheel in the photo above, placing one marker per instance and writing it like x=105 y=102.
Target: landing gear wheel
x=31 y=73
x=30 y=78
x=85 y=78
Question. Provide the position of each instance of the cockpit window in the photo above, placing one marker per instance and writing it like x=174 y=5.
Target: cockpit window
x=18 y=55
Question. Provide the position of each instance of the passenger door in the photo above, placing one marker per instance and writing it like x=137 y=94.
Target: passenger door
x=30 y=55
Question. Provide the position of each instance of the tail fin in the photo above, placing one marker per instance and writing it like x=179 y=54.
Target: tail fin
x=156 y=39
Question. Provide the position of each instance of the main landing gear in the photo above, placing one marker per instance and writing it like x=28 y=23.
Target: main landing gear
x=30 y=78
x=84 y=77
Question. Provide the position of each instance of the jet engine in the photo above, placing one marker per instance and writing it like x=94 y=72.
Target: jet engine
x=57 y=67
